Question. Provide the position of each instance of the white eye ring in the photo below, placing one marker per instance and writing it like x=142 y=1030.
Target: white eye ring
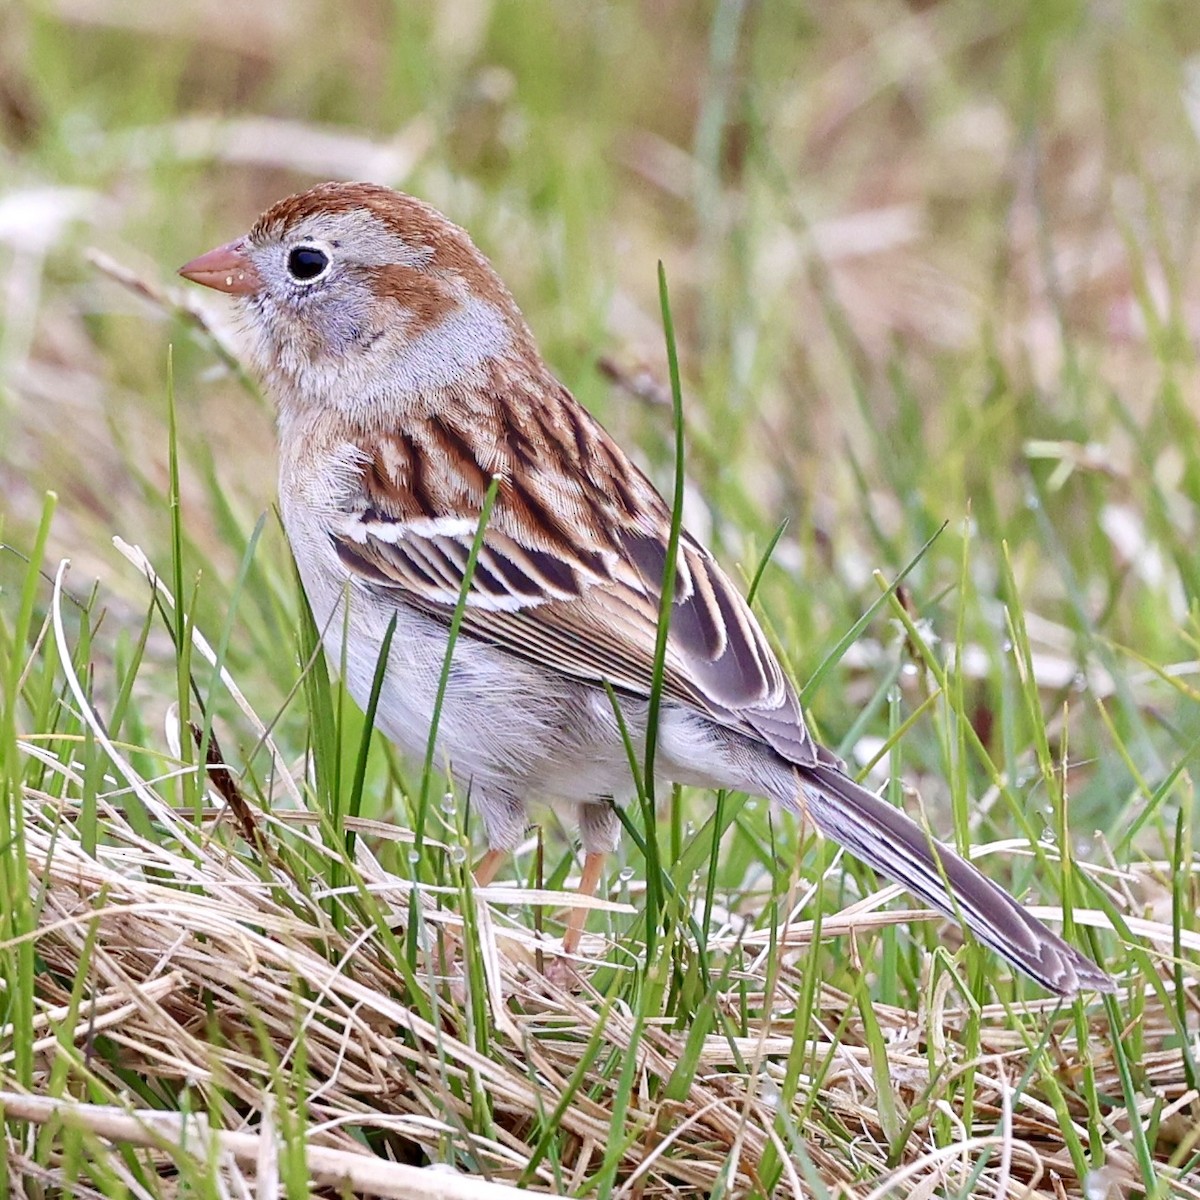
x=308 y=261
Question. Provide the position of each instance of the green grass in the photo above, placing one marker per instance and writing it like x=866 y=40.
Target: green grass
x=932 y=278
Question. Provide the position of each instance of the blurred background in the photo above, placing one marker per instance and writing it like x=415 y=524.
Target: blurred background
x=930 y=262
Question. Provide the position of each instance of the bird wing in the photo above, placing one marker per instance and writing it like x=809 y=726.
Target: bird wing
x=571 y=564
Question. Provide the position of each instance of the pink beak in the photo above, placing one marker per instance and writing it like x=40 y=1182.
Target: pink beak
x=227 y=269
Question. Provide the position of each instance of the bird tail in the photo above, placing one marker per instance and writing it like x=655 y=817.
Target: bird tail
x=896 y=846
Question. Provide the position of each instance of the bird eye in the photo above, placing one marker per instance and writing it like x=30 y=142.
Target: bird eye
x=306 y=263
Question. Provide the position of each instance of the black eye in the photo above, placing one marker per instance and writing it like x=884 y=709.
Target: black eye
x=305 y=263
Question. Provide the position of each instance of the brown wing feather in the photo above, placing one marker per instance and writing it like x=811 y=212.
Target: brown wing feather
x=571 y=569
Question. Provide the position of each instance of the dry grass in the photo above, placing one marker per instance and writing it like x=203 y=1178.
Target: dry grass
x=181 y=946
x=211 y=968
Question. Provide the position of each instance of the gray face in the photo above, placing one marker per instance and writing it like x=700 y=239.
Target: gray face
x=321 y=297
x=350 y=312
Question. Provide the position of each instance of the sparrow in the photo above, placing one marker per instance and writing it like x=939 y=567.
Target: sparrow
x=406 y=381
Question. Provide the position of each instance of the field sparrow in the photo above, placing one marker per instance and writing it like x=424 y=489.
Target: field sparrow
x=406 y=380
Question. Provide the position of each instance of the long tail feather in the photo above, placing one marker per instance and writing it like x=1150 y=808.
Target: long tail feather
x=896 y=846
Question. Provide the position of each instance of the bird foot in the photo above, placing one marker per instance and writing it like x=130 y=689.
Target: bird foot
x=563 y=973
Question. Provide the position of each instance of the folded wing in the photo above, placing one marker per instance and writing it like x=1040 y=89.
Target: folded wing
x=569 y=576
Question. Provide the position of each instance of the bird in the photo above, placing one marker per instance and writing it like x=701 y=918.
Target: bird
x=410 y=392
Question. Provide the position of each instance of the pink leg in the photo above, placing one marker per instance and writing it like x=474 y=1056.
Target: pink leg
x=488 y=865
x=485 y=872
x=593 y=864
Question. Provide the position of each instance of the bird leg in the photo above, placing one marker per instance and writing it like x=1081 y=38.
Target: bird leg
x=592 y=866
x=487 y=866
x=484 y=873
